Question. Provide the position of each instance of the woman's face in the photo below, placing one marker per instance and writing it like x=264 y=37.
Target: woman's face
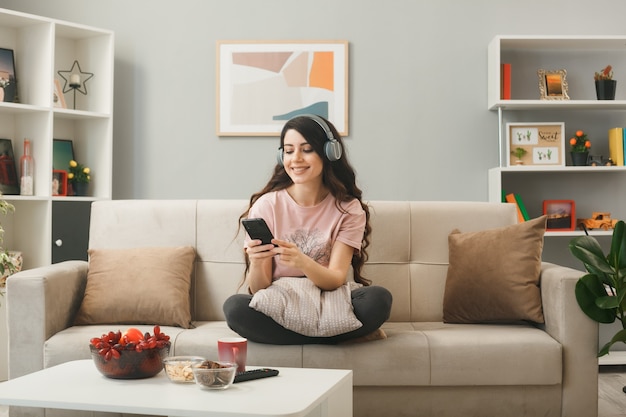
x=301 y=162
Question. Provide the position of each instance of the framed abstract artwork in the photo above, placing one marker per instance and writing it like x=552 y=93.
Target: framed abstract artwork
x=261 y=85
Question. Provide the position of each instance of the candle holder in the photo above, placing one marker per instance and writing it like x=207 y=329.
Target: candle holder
x=75 y=80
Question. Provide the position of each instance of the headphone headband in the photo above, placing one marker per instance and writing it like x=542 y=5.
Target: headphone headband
x=332 y=148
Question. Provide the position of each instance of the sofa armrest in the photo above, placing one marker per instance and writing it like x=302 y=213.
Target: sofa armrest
x=40 y=303
x=577 y=333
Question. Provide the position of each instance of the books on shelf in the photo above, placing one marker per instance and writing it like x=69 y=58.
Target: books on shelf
x=505 y=81
x=522 y=213
x=616 y=145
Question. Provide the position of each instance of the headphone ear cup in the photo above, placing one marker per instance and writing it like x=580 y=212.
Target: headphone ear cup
x=279 y=157
x=333 y=150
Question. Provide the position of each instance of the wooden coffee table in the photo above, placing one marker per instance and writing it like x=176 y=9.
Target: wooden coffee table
x=77 y=385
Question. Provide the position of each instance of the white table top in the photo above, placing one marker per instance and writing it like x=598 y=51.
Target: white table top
x=78 y=385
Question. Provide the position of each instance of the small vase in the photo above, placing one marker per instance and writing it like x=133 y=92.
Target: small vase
x=605 y=89
x=1 y=93
x=80 y=188
x=579 y=158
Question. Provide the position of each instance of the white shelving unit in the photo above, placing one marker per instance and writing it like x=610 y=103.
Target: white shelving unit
x=41 y=48
x=581 y=57
x=592 y=188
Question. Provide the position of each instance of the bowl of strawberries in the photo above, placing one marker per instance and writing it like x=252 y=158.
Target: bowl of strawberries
x=131 y=354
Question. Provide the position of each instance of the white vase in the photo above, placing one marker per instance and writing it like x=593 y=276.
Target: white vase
x=1 y=93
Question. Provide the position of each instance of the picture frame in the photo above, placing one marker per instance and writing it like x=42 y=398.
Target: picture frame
x=543 y=143
x=59 y=182
x=58 y=98
x=553 y=84
x=262 y=84
x=561 y=214
x=9 y=182
x=62 y=154
x=8 y=79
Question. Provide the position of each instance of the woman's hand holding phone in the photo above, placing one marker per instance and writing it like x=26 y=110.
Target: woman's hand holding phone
x=261 y=244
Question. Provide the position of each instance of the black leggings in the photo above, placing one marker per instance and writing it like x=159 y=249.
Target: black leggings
x=371 y=306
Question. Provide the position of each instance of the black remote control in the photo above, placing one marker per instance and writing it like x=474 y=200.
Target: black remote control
x=255 y=374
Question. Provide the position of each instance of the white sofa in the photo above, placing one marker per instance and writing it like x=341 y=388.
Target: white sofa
x=424 y=367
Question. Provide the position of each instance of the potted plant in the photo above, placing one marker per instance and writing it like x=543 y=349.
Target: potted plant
x=605 y=84
x=601 y=293
x=10 y=261
x=79 y=177
x=519 y=154
x=579 y=148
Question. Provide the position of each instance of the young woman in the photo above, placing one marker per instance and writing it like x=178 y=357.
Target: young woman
x=321 y=227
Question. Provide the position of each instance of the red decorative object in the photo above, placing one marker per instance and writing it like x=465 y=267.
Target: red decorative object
x=59 y=182
x=561 y=214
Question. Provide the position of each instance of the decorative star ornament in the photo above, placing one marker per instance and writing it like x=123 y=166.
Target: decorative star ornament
x=67 y=76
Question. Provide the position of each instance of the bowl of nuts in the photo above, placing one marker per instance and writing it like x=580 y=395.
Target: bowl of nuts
x=214 y=375
x=178 y=368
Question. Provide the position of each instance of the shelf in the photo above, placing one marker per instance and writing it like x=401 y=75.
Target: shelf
x=43 y=47
x=558 y=105
x=552 y=42
x=18 y=108
x=579 y=56
x=575 y=233
x=569 y=168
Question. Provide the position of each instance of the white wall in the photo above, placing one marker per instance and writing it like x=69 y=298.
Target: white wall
x=419 y=128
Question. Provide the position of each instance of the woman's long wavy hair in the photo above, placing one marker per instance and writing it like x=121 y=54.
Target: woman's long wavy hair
x=338 y=176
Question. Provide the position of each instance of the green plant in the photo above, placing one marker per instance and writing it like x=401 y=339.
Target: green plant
x=7 y=261
x=519 y=152
x=4 y=82
x=78 y=173
x=601 y=293
x=580 y=143
x=605 y=74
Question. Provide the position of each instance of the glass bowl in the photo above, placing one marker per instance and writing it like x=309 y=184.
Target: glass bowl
x=178 y=368
x=131 y=364
x=214 y=375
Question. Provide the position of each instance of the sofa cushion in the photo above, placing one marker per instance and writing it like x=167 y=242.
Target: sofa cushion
x=493 y=274
x=492 y=354
x=138 y=286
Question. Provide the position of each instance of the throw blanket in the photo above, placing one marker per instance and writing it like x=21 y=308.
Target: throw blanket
x=298 y=305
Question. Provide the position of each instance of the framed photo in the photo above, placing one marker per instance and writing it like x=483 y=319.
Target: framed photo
x=553 y=84
x=62 y=154
x=58 y=99
x=8 y=80
x=535 y=144
x=261 y=85
x=59 y=182
x=561 y=214
x=8 y=171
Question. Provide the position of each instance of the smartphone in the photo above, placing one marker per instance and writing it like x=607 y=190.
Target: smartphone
x=258 y=229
